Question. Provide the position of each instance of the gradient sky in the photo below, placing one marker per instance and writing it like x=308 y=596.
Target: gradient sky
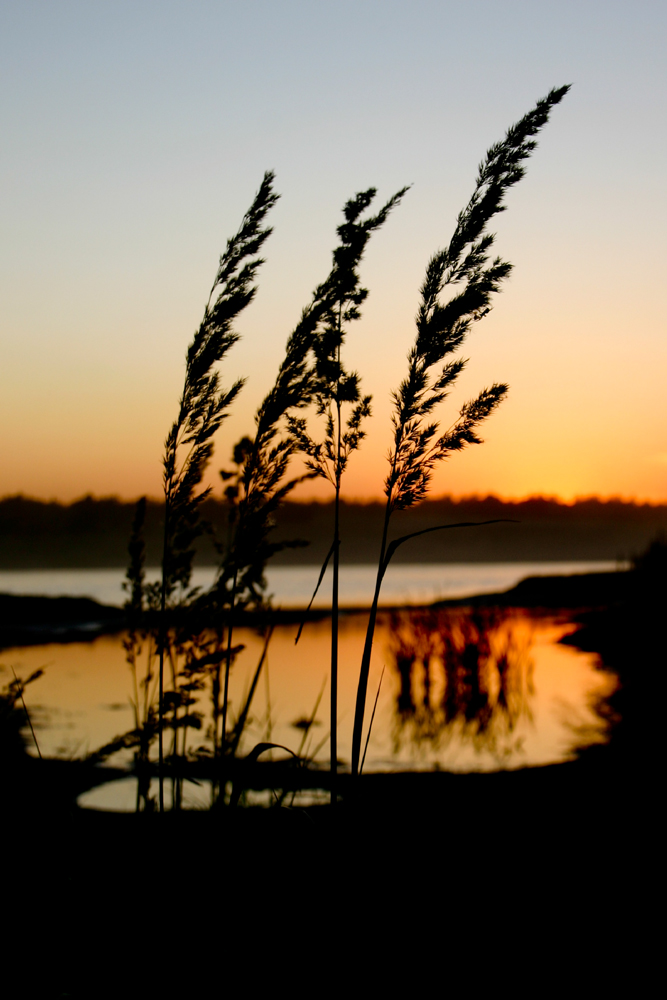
x=134 y=135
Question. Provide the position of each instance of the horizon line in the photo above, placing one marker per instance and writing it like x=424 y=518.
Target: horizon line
x=367 y=501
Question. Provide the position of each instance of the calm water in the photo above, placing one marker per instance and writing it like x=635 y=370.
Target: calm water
x=292 y=586
x=459 y=693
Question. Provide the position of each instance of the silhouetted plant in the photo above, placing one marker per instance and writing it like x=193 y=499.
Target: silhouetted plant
x=311 y=372
x=202 y=409
x=254 y=492
x=188 y=448
x=334 y=387
x=442 y=327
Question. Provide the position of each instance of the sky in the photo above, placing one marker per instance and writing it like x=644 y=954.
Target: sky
x=135 y=134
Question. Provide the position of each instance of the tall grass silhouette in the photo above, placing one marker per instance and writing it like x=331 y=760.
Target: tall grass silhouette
x=195 y=633
x=203 y=406
x=202 y=409
x=333 y=389
x=465 y=269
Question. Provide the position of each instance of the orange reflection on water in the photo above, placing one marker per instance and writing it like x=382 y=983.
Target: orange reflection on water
x=482 y=689
x=458 y=693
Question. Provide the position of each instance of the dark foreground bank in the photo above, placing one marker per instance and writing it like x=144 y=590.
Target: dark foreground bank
x=427 y=861
x=405 y=864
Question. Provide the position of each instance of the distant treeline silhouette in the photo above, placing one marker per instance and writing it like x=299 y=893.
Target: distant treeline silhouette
x=92 y=532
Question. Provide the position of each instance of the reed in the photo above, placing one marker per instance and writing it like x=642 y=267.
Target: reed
x=203 y=406
x=335 y=388
x=464 y=269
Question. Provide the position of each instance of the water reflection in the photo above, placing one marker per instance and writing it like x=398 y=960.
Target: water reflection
x=461 y=692
x=464 y=675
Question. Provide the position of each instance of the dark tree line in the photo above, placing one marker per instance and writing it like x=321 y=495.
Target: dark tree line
x=92 y=532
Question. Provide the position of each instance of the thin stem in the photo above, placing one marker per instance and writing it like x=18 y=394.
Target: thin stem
x=370 y=631
x=368 y=648
x=333 y=734
x=135 y=685
x=243 y=717
x=370 y=725
x=334 y=626
x=162 y=640
x=228 y=662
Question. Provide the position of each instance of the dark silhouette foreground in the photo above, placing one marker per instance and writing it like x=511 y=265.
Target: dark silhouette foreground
x=551 y=847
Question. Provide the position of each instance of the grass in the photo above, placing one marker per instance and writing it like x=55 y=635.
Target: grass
x=334 y=389
x=465 y=272
x=187 y=638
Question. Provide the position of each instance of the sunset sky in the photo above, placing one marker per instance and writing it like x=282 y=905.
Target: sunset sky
x=135 y=134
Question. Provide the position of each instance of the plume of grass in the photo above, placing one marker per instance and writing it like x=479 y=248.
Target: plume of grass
x=466 y=269
x=203 y=407
x=333 y=388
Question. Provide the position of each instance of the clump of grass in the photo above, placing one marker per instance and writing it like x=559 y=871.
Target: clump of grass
x=465 y=268
x=305 y=375
x=311 y=372
x=254 y=491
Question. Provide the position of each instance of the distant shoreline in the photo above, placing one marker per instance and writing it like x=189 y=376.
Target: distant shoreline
x=30 y=620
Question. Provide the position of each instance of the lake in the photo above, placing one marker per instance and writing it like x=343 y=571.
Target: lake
x=292 y=586
x=461 y=691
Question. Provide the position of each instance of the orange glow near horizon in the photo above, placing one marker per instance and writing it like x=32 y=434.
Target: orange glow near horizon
x=326 y=497
x=125 y=175
x=102 y=468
